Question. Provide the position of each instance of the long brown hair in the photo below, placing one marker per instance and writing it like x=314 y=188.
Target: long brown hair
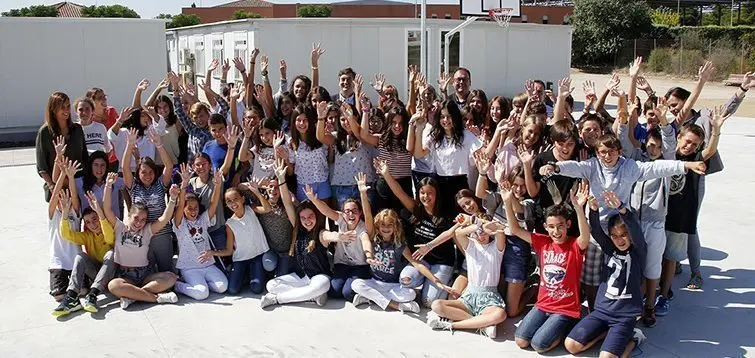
x=314 y=234
x=56 y=101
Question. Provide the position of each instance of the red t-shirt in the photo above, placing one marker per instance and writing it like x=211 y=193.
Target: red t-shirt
x=560 y=268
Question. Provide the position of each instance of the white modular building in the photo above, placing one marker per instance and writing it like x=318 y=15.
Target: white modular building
x=500 y=59
x=40 y=56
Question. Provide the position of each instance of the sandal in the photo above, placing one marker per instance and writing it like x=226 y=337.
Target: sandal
x=695 y=282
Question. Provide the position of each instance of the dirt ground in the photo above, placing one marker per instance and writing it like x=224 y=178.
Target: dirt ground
x=714 y=93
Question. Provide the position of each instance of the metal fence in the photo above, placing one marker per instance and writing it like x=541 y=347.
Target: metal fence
x=683 y=56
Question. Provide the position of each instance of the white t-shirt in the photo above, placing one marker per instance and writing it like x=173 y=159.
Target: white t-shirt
x=311 y=164
x=95 y=135
x=193 y=239
x=131 y=249
x=483 y=263
x=62 y=251
x=450 y=160
x=350 y=253
x=263 y=165
x=249 y=239
x=143 y=144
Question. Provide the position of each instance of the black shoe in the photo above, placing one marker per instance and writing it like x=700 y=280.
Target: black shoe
x=90 y=303
x=670 y=294
x=678 y=268
x=67 y=305
x=648 y=317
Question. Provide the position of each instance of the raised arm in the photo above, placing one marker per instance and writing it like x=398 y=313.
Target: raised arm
x=217 y=182
x=254 y=187
x=107 y=229
x=317 y=51
x=564 y=90
x=511 y=220
x=262 y=98
x=141 y=87
x=369 y=222
x=234 y=97
x=178 y=215
x=703 y=74
x=108 y=209
x=396 y=188
x=321 y=205
x=178 y=106
x=411 y=106
x=249 y=83
x=163 y=85
x=322 y=115
x=207 y=86
x=71 y=170
x=716 y=123
x=579 y=197
x=482 y=161
x=285 y=195
x=634 y=72
x=365 y=135
x=231 y=137
x=155 y=138
x=128 y=176
x=245 y=154
x=164 y=219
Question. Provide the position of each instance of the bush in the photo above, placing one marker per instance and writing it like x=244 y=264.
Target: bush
x=690 y=62
x=665 y=16
x=242 y=14
x=660 y=60
x=315 y=10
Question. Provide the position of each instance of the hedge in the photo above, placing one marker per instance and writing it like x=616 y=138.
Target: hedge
x=734 y=34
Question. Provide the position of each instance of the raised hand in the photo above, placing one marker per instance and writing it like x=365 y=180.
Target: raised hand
x=643 y=84
x=164 y=83
x=264 y=63
x=248 y=127
x=322 y=110
x=611 y=199
x=346 y=110
x=482 y=161
x=213 y=65
x=226 y=66
x=154 y=137
x=232 y=136
x=217 y=178
x=381 y=166
x=443 y=81
x=239 y=64
x=660 y=110
x=564 y=87
x=93 y=202
x=379 y=83
x=111 y=179
x=529 y=88
x=185 y=175
x=283 y=68
x=125 y=113
x=614 y=82
x=317 y=51
x=143 y=85
x=493 y=227
x=705 y=71
x=174 y=79
x=366 y=105
x=59 y=143
x=280 y=169
x=279 y=139
x=593 y=202
x=65 y=199
x=310 y=193
x=525 y=156
x=361 y=180
x=588 y=87
x=174 y=191
x=255 y=53
x=748 y=81
x=579 y=194
x=358 y=82
x=413 y=71
x=719 y=118
x=634 y=67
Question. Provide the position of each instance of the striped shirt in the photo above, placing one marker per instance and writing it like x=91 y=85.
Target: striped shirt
x=399 y=161
x=95 y=137
x=197 y=136
x=154 y=198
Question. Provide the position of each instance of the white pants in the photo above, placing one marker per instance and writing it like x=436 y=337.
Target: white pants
x=197 y=283
x=292 y=288
x=655 y=238
x=382 y=293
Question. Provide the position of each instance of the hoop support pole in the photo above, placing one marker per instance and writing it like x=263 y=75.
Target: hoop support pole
x=448 y=36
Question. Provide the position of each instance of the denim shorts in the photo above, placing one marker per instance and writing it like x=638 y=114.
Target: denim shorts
x=345 y=192
x=322 y=190
x=135 y=275
x=478 y=298
x=620 y=331
x=516 y=260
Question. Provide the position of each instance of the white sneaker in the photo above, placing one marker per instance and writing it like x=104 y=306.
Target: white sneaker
x=638 y=337
x=410 y=306
x=489 y=331
x=125 y=302
x=268 y=300
x=167 y=297
x=438 y=322
x=321 y=300
x=359 y=300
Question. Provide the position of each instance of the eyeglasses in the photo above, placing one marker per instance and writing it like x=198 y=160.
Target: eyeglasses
x=351 y=212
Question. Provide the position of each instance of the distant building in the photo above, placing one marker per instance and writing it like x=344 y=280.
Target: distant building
x=538 y=14
x=68 y=9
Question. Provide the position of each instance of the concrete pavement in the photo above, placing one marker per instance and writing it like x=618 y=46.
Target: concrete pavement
x=715 y=322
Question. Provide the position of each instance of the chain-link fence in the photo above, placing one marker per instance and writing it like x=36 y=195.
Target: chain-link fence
x=683 y=56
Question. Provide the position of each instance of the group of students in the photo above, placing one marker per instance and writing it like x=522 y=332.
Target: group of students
x=469 y=207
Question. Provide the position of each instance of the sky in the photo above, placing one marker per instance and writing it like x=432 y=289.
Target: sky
x=151 y=8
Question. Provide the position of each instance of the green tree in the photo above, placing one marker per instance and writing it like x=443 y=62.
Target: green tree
x=243 y=14
x=108 y=11
x=316 y=10
x=180 y=20
x=600 y=27
x=33 y=11
x=665 y=16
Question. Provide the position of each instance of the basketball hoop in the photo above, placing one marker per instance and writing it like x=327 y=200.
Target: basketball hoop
x=502 y=16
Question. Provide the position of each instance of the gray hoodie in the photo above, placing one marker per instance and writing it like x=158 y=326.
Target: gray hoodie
x=649 y=198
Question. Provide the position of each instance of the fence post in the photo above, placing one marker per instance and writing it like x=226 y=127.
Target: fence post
x=681 y=51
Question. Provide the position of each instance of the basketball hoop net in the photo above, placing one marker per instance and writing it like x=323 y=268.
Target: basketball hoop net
x=502 y=16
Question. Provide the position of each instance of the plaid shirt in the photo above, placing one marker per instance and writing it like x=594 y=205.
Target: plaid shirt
x=197 y=136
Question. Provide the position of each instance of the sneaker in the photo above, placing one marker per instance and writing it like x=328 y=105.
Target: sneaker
x=437 y=322
x=268 y=300
x=678 y=268
x=661 y=306
x=411 y=306
x=67 y=305
x=321 y=300
x=167 y=297
x=648 y=317
x=638 y=337
x=359 y=300
x=670 y=294
x=90 y=303
x=125 y=302
x=489 y=331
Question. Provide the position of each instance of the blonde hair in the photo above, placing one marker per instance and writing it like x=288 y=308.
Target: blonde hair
x=198 y=107
x=388 y=216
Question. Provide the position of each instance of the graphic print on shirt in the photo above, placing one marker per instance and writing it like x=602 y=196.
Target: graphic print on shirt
x=386 y=258
x=677 y=183
x=129 y=239
x=618 y=280
x=554 y=272
x=94 y=138
x=196 y=234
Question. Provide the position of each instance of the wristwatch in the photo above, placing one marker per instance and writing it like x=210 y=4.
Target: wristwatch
x=264 y=73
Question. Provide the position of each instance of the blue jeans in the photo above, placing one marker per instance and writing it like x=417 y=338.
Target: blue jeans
x=256 y=275
x=343 y=276
x=218 y=240
x=345 y=192
x=273 y=261
x=541 y=329
x=430 y=292
x=322 y=190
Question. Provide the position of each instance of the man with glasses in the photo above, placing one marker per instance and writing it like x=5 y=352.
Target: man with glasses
x=461 y=81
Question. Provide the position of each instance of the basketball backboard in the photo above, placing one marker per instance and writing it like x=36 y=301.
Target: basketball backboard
x=481 y=7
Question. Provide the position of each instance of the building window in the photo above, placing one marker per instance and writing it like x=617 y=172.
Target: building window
x=545 y=19
x=453 y=51
x=434 y=16
x=448 y=16
x=217 y=53
x=240 y=51
x=183 y=51
x=199 y=64
x=524 y=18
